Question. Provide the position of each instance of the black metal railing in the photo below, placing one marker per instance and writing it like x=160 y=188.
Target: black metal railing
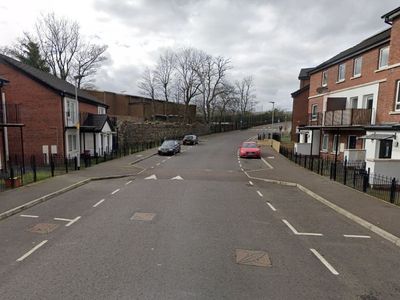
x=353 y=174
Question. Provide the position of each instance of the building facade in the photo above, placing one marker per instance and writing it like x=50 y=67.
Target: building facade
x=50 y=110
x=354 y=103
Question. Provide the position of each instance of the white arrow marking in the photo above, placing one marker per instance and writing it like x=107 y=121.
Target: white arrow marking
x=177 y=178
x=154 y=177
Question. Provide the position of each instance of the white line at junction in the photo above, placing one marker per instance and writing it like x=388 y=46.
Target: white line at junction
x=70 y=221
x=251 y=183
x=267 y=163
x=299 y=233
x=32 y=250
x=129 y=182
x=324 y=261
x=357 y=236
x=29 y=216
x=259 y=193
x=98 y=203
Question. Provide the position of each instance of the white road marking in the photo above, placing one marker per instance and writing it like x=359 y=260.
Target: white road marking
x=299 y=233
x=271 y=157
x=164 y=160
x=177 y=178
x=157 y=164
x=169 y=157
x=116 y=191
x=251 y=183
x=267 y=163
x=70 y=221
x=270 y=205
x=151 y=167
x=29 y=216
x=141 y=171
x=357 y=236
x=242 y=169
x=98 y=203
x=324 y=261
x=154 y=177
x=32 y=250
x=129 y=182
x=259 y=193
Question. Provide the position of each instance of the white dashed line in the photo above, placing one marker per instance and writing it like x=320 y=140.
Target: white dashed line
x=129 y=182
x=242 y=169
x=270 y=206
x=324 y=261
x=116 y=191
x=259 y=193
x=29 y=216
x=357 y=236
x=98 y=203
x=299 y=233
x=157 y=164
x=251 y=183
x=32 y=250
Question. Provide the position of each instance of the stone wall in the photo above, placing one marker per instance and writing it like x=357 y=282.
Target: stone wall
x=130 y=133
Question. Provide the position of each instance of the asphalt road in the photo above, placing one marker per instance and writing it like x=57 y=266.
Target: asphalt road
x=184 y=228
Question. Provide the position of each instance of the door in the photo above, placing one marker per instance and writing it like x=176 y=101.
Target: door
x=352 y=142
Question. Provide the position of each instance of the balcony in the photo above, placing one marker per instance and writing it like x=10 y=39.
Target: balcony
x=345 y=117
x=12 y=115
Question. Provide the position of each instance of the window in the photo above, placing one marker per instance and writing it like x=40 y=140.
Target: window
x=72 y=112
x=354 y=102
x=324 y=78
x=385 y=148
x=72 y=142
x=341 y=72
x=335 y=143
x=325 y=141
x=101 y=110
x=357 y=66
x=314 y=112
x=383 y=57
x=368 y=101
x=397 y=107
x=352 y=142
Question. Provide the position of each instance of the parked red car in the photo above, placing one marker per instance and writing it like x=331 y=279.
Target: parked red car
x=249 y=149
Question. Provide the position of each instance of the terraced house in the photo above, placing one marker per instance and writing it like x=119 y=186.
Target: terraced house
x=45 y=116
x=353 y=109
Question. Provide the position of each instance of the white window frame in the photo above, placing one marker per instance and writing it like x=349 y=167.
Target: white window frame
x=325 y=143
x=341 y=72
x=324 y=81
x=101 y=110
x=335 y=136
x=365 y=100
x=348 y=141
x=397 y=100
x=351 y=102
x=357 y=59
x=71 y=112
x=314 y=114
x=380 y=65
x=72 y=142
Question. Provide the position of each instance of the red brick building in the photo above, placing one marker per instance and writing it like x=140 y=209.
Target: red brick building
x=354 y=103
x=49 y=112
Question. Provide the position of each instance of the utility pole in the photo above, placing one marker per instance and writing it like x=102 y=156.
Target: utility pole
x=273 y=112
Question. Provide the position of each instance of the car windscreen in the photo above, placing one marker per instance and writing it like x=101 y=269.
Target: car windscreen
x=168 y=144
x=253 y=145
x=189 y=137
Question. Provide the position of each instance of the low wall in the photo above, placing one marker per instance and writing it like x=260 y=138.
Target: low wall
x=130 y=133
x=269 y=142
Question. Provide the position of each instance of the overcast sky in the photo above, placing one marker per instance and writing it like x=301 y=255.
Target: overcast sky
x=270 y=40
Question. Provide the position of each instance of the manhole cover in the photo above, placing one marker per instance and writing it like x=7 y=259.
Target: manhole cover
x=143 y=216
x=43 y=228
x=252 y=258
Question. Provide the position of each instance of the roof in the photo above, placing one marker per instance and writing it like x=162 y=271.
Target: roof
x=369 y=43
x=305 y=73
x=94 y=122
x=299 y=91
x=3 y=80
x=391 y=15
x=50 y=80
x=377 y=136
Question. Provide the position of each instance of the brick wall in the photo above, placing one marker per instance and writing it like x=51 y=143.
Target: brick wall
x=300 y=112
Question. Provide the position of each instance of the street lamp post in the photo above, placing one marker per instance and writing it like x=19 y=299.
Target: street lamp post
x=78 y=144
x=273 y=112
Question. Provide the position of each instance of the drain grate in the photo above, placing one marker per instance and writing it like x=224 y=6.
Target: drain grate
x=43 y=228
x=252 y=258
x=143 y=216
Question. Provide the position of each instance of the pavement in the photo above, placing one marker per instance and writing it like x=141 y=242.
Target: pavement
x=195 y=226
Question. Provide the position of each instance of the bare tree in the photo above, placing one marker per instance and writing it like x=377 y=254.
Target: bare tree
x=211 y=71
x=187 y=63
x=226 y=101
x=164 y=73
x=245 y=92
x=147 y=86
x=65 y=51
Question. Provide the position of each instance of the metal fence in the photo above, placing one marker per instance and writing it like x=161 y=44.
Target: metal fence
x=21 y=172
x=352 y=174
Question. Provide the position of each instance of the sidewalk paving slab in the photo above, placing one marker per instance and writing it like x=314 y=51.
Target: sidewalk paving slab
x=376 y=211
